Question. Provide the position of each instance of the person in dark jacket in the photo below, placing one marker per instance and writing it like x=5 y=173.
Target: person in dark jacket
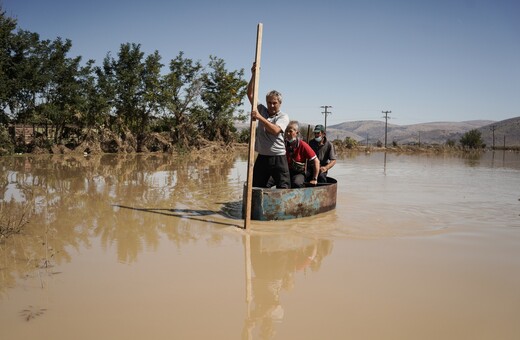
x=325 y=152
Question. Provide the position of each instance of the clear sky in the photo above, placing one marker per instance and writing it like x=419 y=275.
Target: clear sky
x=426 y=61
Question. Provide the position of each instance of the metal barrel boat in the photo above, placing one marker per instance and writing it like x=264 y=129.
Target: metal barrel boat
x=268 y=204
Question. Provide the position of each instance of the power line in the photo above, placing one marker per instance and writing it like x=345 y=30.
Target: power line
x=386 y=122
x=326 y=114
x=493 y=127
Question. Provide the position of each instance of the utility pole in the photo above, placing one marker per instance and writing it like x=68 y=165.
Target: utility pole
x=493 y=127
x=386 y=122
x=326 y=114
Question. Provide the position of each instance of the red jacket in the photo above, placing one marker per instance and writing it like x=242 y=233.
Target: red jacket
x=298 y=153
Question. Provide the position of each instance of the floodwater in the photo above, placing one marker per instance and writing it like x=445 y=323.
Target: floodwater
x=150 y=247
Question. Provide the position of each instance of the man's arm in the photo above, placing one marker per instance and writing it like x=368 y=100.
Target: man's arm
x=330 y=164
x=271 y=128
x=316 y=167
x=251 y=85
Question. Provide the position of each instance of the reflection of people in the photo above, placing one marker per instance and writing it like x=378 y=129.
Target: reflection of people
x=274 y=261
x=298 y=153
x=325 y=152
x=269 y=143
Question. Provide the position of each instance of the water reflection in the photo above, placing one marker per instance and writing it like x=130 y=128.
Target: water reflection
x=430 y=223
x=75 y=198
x=274 y=260
x=472 y=159
x=384 y=166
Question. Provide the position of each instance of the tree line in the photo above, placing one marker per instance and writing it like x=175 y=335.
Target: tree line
x=130 y=94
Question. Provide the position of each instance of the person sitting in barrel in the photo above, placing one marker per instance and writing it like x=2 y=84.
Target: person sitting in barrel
x=298 y=153
x=325 y=152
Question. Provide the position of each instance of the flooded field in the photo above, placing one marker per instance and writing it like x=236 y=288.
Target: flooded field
x=151 y=247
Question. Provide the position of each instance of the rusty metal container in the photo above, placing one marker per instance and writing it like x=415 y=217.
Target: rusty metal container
x=282 y=204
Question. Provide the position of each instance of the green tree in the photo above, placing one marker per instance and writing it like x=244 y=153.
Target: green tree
x=95 y=104
x=7 y=27
x=135 y=86
x=25 y=79
x=127 y=72
x=243 y=136
x=40 y=83
x=62 y=95
x=223 y=92
x=472 y=139
x=350 y=142
x=106 y=89
x=305 y=132
x=151 y=93
x=181 y=88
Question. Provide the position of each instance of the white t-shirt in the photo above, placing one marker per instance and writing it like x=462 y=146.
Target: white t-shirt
x=266 y=143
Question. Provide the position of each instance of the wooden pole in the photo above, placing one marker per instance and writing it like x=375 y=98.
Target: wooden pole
x=252 y=129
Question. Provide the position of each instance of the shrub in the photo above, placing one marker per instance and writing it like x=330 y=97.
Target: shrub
x=6 y=144
x=472 y=139
x=350 y=142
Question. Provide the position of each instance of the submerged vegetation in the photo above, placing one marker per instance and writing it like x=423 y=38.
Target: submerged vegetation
x=51 y=101
x=13 y=217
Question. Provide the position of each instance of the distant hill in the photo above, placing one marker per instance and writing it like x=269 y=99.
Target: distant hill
x=428 y=133
x=507 y=131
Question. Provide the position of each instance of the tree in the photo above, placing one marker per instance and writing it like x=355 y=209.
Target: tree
x=41 y=84
x=180 y=91
x=305 y=132
x=350 y=142
x=95 y=105
x=134 y=84
x=7 y=27
x=25 y=79
x=472 y=139
x=61 y=96
x=222 y=93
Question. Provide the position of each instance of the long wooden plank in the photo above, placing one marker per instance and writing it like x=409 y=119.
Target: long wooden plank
x=252 y=129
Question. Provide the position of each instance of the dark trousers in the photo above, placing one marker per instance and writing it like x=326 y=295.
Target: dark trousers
x=271 y=166
x=297 y=180
x=322 y=177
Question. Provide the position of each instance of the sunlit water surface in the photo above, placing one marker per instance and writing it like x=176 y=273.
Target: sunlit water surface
x=151 y=247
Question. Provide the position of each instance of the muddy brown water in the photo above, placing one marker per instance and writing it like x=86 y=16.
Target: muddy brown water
x=149 y=247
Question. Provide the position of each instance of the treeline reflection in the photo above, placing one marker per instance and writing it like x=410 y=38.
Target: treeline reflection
x=75 y=198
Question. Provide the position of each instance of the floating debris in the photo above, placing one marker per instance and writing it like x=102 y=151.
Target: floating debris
x=32 y=312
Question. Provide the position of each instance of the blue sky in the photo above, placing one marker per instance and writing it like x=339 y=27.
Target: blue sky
x=425 y=61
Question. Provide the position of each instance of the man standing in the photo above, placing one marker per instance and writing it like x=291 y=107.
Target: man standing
x=325 y=152
x=270 y=144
